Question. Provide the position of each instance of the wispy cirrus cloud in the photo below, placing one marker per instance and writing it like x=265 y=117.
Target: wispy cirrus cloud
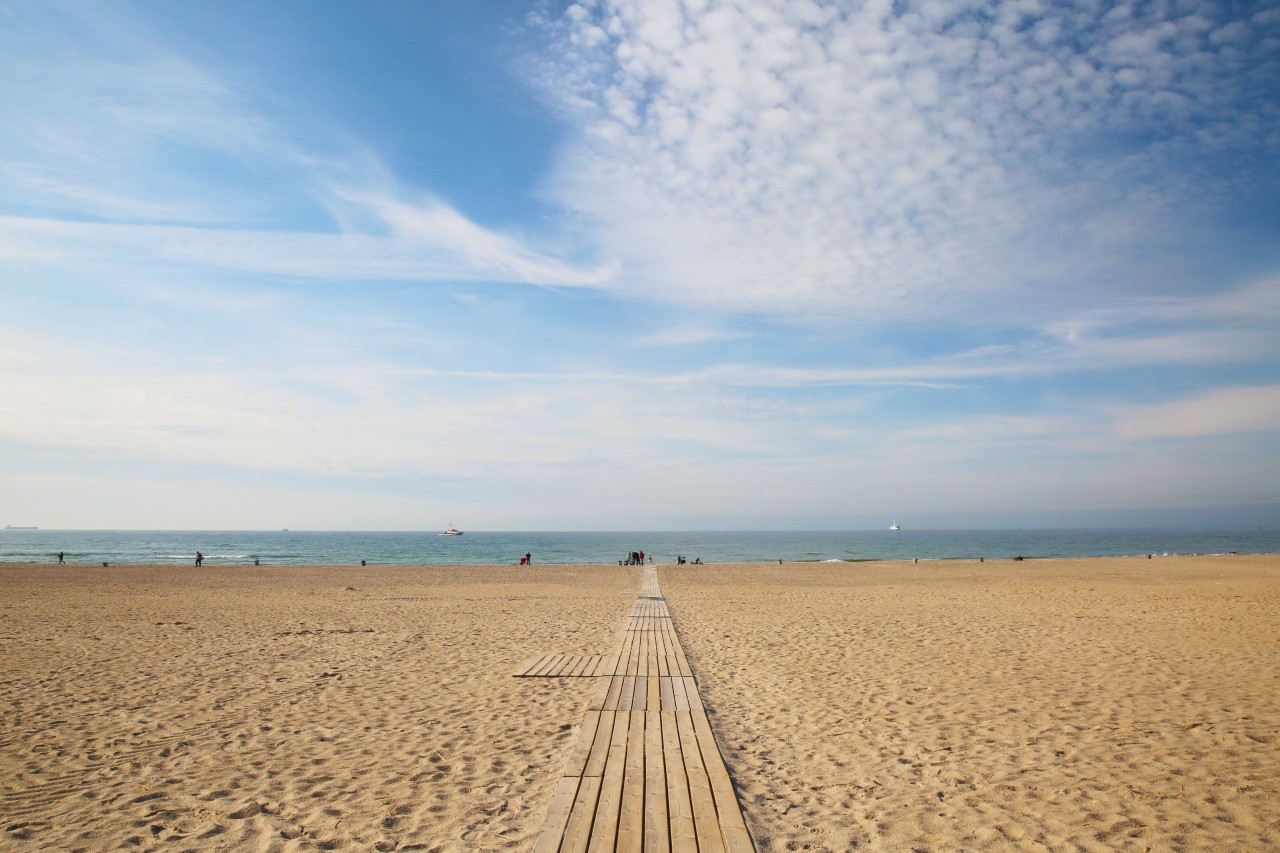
x=116 y=148
x=905 y=158
x=441 y=244
x=1218 y=411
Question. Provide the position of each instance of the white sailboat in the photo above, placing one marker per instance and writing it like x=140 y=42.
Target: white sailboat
x=894 y=526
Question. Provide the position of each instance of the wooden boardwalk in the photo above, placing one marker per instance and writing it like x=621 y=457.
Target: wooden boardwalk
x=645 y=773
x=566 y=666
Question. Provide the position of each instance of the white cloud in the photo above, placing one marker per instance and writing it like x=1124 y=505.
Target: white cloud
x=114 y=148
x=440 y=245
x=1220 y=411
x=492 y=442
x=804 y=158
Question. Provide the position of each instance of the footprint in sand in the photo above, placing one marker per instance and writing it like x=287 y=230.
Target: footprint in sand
x=248 y=810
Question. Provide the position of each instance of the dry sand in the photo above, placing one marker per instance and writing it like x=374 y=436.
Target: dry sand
x=1042 y=705
x=1118 y=704
x=290 y=708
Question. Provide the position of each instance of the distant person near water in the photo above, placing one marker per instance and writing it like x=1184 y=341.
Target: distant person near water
x=199 y=559
x=61 y=558
x=528 y=559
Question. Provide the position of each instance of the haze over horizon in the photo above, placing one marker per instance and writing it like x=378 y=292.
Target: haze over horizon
x=638 y=264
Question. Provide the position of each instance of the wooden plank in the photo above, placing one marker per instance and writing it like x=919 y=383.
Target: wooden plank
x=600 y=746
x=582 y=746
x=705 y=820
x=664 y=662
x=624 y=655
x=566 y=663
x=604 y=832
x=633 y=667
x=640 y=696
x=685 y=671
x=615 y=689
x=679 y=807
x=558 y=816
x=657 y=828
x=677 y=654
x=601 y=693
x=678 y=663
x=728 y=810
x=669 y=651
x=681 y=697
x=577 y=832
x=642 y=658
x=631 y=818
x=628 y=651
x=626 y=693
x=565 y=667
x=530 y=665
x=546 y=665
x=675 y=701
x=653 y=697
x=668 y=699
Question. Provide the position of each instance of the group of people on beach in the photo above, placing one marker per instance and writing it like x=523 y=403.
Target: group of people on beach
x=680 y=561
x=635 y=558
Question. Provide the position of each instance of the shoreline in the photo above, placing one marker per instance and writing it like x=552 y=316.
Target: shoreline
x=211 y=564
x=318 y=548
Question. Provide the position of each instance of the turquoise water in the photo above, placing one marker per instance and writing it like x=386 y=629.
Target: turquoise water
x=474 y=548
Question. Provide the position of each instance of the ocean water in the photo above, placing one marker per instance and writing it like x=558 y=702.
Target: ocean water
x=476 y=548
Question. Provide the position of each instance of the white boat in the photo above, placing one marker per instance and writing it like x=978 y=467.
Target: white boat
x=452 y=531
x=894 y=526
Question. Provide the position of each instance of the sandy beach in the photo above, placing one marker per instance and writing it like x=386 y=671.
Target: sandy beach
x=1110 y=704
x=1116 y=704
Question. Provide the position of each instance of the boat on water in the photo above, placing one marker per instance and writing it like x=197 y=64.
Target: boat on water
x=894 y=526
x=452 y=531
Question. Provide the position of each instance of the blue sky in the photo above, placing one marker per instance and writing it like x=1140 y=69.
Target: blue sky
x=627 y=265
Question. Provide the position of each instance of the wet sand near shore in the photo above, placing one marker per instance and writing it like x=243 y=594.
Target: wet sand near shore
x=1109 y=704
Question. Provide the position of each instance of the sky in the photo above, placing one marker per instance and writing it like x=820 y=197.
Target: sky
x=638 y=264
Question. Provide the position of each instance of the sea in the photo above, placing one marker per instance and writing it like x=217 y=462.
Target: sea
x=287 y=547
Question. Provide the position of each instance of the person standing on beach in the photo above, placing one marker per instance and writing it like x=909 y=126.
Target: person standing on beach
x=61 y=558
x=199 y=559
x=528 y=558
